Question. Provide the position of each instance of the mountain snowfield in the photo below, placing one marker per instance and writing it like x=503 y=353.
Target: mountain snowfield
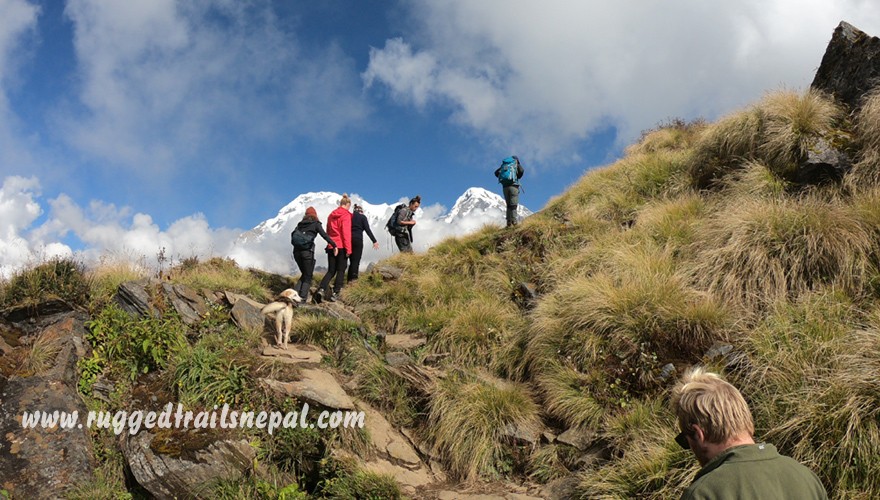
x=267 y=245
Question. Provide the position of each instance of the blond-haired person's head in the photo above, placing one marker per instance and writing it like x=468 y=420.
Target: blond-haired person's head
x=345 y=201
x=712 y=414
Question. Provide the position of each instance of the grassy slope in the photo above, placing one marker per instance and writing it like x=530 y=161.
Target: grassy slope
x=695 y=237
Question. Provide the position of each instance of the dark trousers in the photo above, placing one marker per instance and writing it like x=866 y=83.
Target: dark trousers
x=511 y=197
x=335 y=268
x=354 y=260
x=305 y=260
x=403 y=243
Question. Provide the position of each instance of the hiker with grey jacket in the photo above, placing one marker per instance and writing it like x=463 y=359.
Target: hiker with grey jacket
x=404 y=225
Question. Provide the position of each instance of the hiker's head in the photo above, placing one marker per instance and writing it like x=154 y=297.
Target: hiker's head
x=345 y=201
x=705 y=400
x=358 y=209
x=415 y=202
x=311 y=213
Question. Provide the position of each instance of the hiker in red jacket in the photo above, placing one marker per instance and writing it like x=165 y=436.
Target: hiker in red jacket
x=339 y=230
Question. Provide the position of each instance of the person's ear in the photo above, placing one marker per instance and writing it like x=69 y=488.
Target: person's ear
x=698 y=433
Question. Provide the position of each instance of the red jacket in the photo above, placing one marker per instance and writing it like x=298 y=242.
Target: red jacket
x=339 y=228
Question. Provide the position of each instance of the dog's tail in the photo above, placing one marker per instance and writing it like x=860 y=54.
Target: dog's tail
x=273 y=307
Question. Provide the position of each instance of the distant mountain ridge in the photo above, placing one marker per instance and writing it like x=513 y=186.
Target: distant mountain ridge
x=473 y=209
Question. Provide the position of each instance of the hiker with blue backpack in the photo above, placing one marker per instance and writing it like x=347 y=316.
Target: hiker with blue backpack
x=303 y=240
x=401 y=222
x=509 y=174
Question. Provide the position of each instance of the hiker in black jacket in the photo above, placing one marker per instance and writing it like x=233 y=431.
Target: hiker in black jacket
x=305 y=257
x=359 y=224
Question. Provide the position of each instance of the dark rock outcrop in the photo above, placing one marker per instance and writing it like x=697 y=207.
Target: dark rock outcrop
x=185 y=473
x=147 y=297
x=186 y=301
x=850 y=66
x=46 y=462
x=135 y=298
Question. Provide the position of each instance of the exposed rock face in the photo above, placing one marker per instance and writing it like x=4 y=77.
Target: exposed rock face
x=850 y=66
x=38 y=462
x=187 y=302
x=134 y=298
x=315 y=386
x=246 y=314
x=185 y=474
x=138 y=299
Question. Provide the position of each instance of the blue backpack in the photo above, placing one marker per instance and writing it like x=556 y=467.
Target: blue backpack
x=508 y=171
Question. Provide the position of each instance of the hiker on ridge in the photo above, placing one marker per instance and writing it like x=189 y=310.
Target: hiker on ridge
x=339 y=229
x=509 y=174
x=716 y=424
x=303 y=240
x=359 y=224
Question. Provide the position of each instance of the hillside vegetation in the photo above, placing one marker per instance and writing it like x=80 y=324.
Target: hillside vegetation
x=698 y=237
x=703 y=245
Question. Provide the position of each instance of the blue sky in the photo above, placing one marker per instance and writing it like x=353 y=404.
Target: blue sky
x=126 y=120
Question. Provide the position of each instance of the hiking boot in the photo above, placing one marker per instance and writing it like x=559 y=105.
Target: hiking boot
x=334 y=297
x=318 y=297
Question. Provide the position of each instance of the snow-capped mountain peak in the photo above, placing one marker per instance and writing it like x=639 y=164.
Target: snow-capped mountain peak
x=480 y=203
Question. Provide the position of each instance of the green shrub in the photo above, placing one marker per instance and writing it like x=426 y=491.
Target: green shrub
x=130 y=345
x=344 y=480
x=207 y=376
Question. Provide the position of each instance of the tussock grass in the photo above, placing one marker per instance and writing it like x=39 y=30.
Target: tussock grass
x=466 y=418
x=673 y=222
x=794 y=123
x=652 y=467
x=865 y=173
x=221 y=274
x=40 y=356
x=387 y=391
x=569 y=395
x=867 y=124
x=815 y=390
x=723 y=146
x=105 y=278
x=59 y=278
x=552 y=462
x=754 y=180
x=471 y=333
x=321 y=330
x=646 y=316
x=755 y=251
x=675 y=135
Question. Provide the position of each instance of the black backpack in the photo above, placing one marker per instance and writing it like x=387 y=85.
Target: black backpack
x=392 y=226
x=301 y=240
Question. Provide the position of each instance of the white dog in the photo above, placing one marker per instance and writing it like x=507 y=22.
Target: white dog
x=282 y=306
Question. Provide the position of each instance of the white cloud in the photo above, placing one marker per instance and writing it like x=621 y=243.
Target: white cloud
x=104 y=230
x=540 y=76
x=163 y=80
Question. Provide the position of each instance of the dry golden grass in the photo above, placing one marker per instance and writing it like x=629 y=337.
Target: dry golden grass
x=867 y=125
x=793 y=124
x=468 y=416
x=816 y=390
x=757 y=250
